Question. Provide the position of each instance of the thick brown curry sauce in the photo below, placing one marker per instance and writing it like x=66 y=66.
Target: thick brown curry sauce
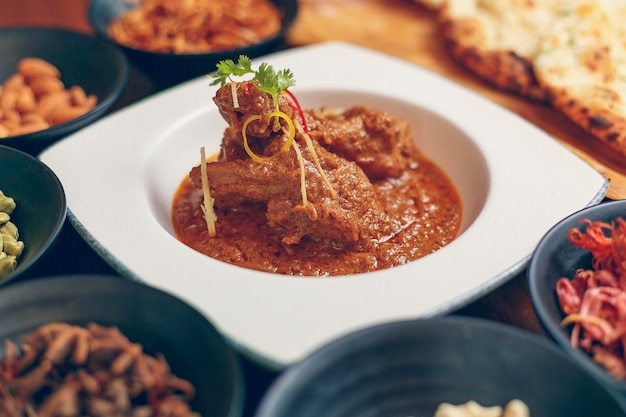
x=245 y=239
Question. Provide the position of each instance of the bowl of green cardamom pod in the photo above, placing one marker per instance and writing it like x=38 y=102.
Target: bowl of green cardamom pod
x=33 y=209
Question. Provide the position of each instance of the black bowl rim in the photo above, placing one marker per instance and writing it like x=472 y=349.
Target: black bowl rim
x=292 y=377
x=103 y=103
x=49 y=284
x=60 y=220
x=556 y=332
x=287 y=22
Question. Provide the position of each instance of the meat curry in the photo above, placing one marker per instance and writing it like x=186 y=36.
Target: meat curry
x=313 y=192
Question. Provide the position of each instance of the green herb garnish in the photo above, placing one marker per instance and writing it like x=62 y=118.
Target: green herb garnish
x=227 y=68
x=266 y=78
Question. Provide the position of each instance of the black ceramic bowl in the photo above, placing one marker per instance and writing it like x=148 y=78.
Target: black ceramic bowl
x=167 y=69
x=161 y=323
x=41 y=206
x=84 y=60
x=408 y=368
x=556 y=257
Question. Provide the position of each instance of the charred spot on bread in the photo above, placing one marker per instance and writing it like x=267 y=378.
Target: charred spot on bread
x=599 y=122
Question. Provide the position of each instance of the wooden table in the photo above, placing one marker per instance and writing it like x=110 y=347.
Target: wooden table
x=398 y=27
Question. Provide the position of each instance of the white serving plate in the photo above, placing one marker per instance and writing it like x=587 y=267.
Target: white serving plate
x=120 y=175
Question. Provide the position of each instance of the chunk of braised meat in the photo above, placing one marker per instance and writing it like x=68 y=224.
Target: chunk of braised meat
x=354 y=214
x=378 y=142
x=232 y=146
x=251 y=101
x=350 y=147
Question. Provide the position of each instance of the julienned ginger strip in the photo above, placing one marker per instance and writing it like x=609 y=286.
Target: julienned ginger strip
x=207 y=207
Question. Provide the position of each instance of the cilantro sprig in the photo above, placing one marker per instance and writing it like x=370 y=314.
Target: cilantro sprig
x=265 y=78
x=227 y=68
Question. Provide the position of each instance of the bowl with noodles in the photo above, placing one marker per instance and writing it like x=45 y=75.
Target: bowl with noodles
x=577 y=288
x=450 y=366
x=174 y=42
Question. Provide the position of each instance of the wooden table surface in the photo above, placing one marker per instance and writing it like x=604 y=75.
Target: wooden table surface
x=398 y=27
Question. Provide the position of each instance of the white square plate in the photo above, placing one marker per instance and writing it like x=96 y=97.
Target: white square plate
x=120 y=175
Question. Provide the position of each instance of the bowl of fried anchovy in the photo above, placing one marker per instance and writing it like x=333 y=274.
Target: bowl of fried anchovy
x=107 y=346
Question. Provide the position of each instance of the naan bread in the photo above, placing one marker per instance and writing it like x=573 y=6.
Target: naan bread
x=496 y=39
x=581 y=64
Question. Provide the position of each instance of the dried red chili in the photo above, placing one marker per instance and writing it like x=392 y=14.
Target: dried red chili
x=594 y=300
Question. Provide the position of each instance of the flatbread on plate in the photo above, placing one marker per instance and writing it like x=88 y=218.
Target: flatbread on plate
x=581 y=64
x=496 y=39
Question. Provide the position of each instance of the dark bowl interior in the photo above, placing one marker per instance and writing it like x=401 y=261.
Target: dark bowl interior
x=158 y=321
x=168 y=69
x=41 y=206
x=556 y=257
x=83 y=60
x=408 y=368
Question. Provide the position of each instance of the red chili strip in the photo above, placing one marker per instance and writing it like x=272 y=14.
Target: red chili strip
x=296 y=106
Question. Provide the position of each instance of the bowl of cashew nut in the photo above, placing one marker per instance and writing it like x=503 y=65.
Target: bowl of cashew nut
x=54 y=82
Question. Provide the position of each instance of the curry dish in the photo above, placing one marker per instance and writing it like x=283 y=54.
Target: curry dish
x=315 y=192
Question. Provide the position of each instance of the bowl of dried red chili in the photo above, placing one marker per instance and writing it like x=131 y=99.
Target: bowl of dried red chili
x=175 y=41
x=577 y=280
x=103 y=345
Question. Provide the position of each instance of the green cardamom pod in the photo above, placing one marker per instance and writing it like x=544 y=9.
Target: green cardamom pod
x=10 y=229
x=7 y=265
x=13 y=247
x=7 y=204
